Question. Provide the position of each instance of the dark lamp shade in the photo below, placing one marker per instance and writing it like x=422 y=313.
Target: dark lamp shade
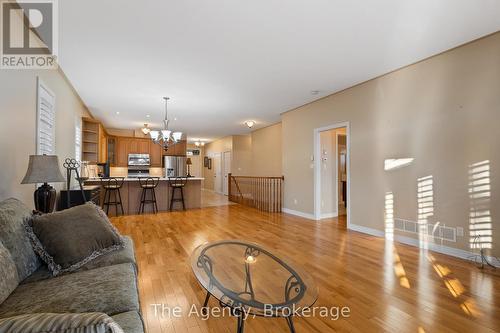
x=188 y=161
x=43 y=169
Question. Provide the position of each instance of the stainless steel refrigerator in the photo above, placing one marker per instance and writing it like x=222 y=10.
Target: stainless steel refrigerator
x=175 y=166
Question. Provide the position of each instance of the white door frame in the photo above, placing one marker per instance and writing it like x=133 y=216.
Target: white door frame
x=218 y=156
x=317 y=168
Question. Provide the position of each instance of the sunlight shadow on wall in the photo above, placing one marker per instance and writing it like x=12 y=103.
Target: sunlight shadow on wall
x=425 y=204
x=480 y=223
x=396 y=163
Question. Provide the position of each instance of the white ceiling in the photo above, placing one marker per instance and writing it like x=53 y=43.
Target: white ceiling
x=226 y=61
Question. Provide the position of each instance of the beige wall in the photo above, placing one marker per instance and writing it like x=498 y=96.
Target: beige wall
x=443 y=112
x=255 y=154
x=267 y=151
x=197 y=166
x=18 y=121
x=241 y=157
x=217 y=146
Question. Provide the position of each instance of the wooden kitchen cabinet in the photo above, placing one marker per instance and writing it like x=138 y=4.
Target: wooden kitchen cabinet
x=181 y=148
x=155 y=154
x=103 y=145
x=178 y=149
x=143 y=146
x=127 y=145
x=121 y=151
x=133 y=147
x=111 y=142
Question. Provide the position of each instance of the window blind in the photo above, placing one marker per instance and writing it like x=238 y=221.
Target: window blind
x=46 y=120
x=78 y=138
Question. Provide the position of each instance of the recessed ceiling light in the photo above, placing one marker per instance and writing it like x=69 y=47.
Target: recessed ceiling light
x=249 y=123
x=147 y=116
x=117 y=112
x=175 y=118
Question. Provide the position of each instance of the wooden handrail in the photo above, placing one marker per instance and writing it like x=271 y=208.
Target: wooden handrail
x=276 y=177
x=263 y=193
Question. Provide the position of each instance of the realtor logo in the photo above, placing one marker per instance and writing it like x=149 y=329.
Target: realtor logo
x=29 y=34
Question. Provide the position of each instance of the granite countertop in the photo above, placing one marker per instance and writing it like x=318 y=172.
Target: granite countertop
x=133 y=179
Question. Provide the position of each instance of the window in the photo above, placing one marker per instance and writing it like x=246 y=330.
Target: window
x=46 y=120
x=78 y=138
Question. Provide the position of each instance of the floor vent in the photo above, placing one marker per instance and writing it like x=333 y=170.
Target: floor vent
x=433 y=231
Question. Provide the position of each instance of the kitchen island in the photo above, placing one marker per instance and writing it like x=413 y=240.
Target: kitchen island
x=131 y=195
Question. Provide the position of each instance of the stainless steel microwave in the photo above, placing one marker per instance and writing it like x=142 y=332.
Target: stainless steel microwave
x=139 y=160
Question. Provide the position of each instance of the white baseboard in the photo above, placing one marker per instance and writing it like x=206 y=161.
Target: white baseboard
x=298 y=213
x=329 y=215
x=366 y=230
x=443 y=249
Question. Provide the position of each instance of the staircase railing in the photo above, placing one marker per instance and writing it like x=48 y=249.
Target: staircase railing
x=263 y=193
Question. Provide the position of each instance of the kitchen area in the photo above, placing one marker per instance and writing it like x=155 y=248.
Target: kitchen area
x=131 y=156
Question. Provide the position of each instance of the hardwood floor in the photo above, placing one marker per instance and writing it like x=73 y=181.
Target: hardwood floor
x=211 y=199
x=388 y=287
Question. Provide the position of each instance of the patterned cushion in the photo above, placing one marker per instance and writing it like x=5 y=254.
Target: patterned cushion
x=8 y=274
x=60 y=322
x=14 y=237
x=69 y=239
x=110 y=290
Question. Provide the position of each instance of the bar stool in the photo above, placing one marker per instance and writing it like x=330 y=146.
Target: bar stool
x=177 y=183
x=148 y=184
x=112 y=185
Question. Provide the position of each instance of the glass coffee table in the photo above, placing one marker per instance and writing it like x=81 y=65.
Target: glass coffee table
x=251 y=280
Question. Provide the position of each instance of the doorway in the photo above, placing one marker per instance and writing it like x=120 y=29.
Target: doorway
x=226 y=169
x=331 y=172
x=341 y=139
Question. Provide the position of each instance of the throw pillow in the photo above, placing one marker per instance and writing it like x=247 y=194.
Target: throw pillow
x=69 y=239
x=9 y=278
x=94 y=322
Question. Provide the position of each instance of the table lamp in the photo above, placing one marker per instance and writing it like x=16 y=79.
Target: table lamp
x=189 y=163
x=43 y=169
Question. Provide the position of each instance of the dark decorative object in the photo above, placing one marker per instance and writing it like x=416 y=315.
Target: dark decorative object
x=189 y=163
x=72 y=165
x=103 y=170
x=92 y=193
x=43 y=169
x=209 y=164
x=205 y=162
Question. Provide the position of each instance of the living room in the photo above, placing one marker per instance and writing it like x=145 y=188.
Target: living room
x=219 y=167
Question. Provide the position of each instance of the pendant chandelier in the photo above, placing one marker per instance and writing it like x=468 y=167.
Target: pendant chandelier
x=165 y=137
